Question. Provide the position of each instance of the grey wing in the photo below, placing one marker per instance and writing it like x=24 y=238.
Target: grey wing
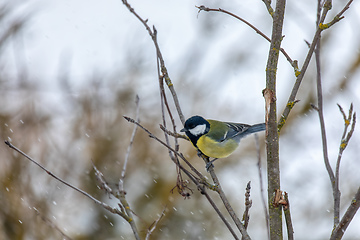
x=239 y=130
x=235 y=130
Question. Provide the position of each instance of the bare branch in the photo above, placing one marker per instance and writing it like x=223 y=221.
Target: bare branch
x=334 y=177
x=119 y=195
x=175 y=135
x=50 y=223
x=294 y=64
x=154 y=225
x=248 y=204
x=269 y=8
x=212 y=203
x=320 y=110
x=338 y=16
x=104 y=205
x=340 y=229
x=123 y=172
x=122 y=192
x=239 y=225
x=288 y=221
x=320 y=28
x=100 y=178
x=272 y=134
x=263 y=200
x=164 y=71
x=181 y=185
x=343 y=144
x=173 y=150
x=199 y=182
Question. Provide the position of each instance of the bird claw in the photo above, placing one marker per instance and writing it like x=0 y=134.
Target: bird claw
x=209 y=165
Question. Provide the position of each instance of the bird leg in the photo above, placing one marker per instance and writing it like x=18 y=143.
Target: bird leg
x=210 y=164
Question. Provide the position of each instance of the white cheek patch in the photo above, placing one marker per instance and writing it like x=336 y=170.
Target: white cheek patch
x=198 y=130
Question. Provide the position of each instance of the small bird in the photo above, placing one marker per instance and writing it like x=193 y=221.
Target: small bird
x=217 y=139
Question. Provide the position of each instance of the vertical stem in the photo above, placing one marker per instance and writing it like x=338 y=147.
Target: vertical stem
x=263 y=200
x=227 y=205
x=333 y=179
x=272 y=137
x=340 y=229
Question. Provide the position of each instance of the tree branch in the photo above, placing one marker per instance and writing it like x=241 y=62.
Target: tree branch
x=248 y=204
x=104 y=205
x=219 y=190
x=164 y=71
x=319 y=29
x=122 y=192
x=263 y=200
x=294 y=63
x=199 y=182
x=343 y=144
x=340 y=229
x=269 y=8
x=289 y=226
x=272 y=136
x=154 y=225
x=123 y=172
x=320 y=107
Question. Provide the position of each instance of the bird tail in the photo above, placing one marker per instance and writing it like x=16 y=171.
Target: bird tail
x=252 y=129
x=256 y=128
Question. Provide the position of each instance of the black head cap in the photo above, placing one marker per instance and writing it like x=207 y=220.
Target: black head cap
x=193 y=122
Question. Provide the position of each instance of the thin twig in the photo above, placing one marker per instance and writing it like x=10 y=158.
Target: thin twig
x=268 y=7
x=104 y=205
x=289 y=226
x=154 y=225
x=175 y=135
x=201 y=177
x=127 y=155
x=50 y=223
x=294 y=64
x=320 y=110
x=340 y=229
x=239 y=225
x=334 y=177
x=217 y=210
x=248 y=204
x=181 y=185
x=343 y=144
x=199 y=182
x=122 y=192
x=320 y=28
x=167 y=146
x=263 y=200
x=164 y=71
x=338 y=16
x=101 y=179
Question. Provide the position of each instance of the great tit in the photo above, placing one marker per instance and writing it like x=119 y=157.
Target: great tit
x=217 y=139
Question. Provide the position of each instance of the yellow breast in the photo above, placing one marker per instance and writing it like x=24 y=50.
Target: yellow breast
x=214 y=149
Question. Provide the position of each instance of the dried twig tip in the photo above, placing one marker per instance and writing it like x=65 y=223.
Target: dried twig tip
x=202 y=8
x=129 y=119
x=7 y=143
x=314 y=107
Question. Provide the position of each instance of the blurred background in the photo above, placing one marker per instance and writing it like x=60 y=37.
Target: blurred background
x=69 y=71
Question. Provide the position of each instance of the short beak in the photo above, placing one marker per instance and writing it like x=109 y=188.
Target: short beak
x=183 y=130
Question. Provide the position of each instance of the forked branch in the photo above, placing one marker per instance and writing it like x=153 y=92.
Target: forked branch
x=294 y=63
